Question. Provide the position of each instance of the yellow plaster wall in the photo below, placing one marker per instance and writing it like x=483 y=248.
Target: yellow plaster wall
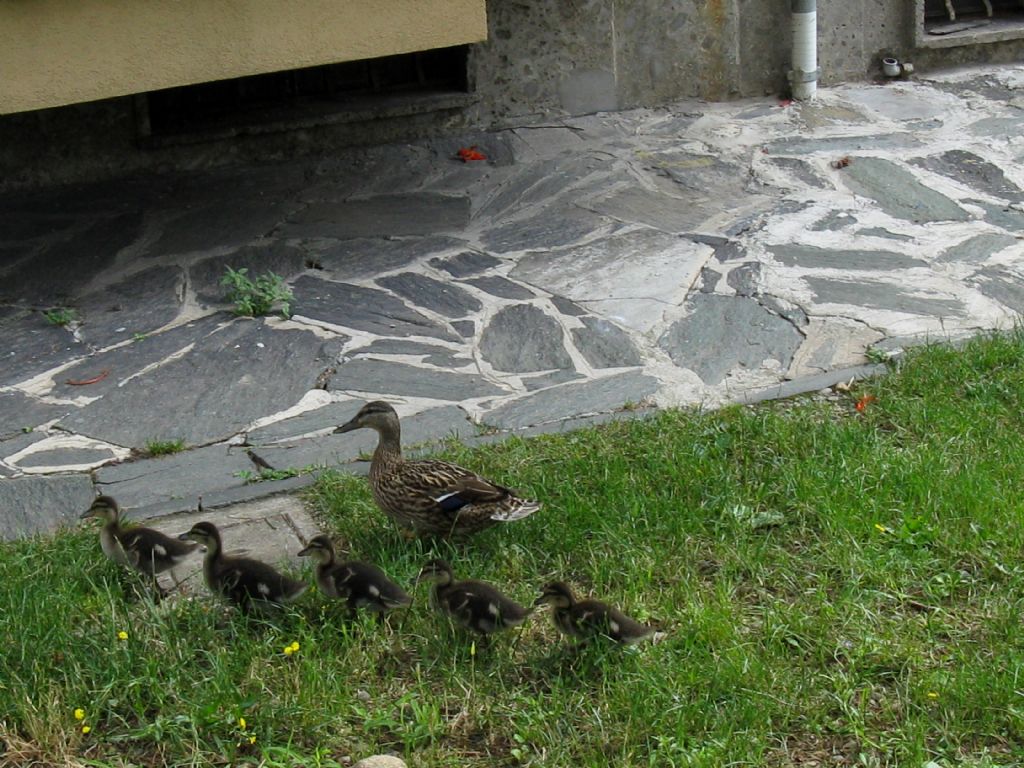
x=55 y=52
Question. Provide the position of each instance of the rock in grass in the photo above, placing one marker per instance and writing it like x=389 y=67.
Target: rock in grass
x=380 y=761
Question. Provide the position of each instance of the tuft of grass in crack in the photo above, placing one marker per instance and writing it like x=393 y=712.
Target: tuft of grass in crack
x=838 y=585
x=256 y=296
x=164 y=447
x=61 y=316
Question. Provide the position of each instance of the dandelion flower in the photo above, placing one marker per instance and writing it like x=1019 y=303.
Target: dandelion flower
x=86 y=729
x=288 y=650
x=932 y=695
x=252 y=739
x=79 y=714
x=295 y=647
x=241 y=723
x=881 y=528
x=122 y=635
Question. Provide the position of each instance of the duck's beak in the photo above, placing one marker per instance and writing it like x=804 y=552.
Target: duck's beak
x=540 y=600
x=86 y=515
x=304 y=552
x=184 y=536
x=348 y=426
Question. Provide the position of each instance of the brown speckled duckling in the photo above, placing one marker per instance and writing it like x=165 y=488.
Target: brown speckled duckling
x=360 y=585
x=474 y=605
x=587 y=619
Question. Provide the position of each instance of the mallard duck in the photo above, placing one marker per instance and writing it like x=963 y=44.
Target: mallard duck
x=473 y=605
x=588 y=619
x=147 y=551
x=241 y=580
x=361 y=585
x=430 y=496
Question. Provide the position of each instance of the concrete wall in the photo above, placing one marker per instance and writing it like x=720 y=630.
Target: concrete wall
x=55 y=52
x=542 y=59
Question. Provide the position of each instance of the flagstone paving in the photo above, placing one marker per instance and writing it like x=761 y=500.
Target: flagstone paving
x=591 y=268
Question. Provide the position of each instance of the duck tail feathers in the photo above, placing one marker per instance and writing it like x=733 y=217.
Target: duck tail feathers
x=524 y=508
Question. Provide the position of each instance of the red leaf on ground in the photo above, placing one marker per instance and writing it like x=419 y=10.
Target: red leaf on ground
x=862 y=404
x=468 y=154
x=85 y=382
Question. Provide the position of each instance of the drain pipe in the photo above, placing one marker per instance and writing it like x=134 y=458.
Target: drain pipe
x=803 y=78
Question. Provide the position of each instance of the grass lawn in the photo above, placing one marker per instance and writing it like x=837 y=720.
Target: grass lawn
x=839 y=587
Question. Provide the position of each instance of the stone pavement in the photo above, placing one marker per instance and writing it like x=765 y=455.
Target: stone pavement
x=699 y=254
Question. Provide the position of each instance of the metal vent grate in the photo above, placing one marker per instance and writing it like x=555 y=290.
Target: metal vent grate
x=953 y=10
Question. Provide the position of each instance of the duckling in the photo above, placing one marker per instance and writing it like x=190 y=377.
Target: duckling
x=430 y=496
x=247 y=583
x=147 y=551
x=473 y=605
x=361 y=585
x=588 y=619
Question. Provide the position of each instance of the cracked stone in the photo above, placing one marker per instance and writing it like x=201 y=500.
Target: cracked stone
x=1001 y=215
x=387 y=377
x=208 y=224
x=812 y=257
x=442 y=357
x=829 y=345
x=833 y=222
x=973 y=171
x=33 y=345
x=444 y=298
x=465 y=328
x=523 y=338
x=18 y=412
x=533 y=383
x=466 y=263
x=381 y=216
x=141 y=303
x=630 y=278
x=977 y=249
x=1002 y=285
x=226 y=381
x=605 y=345
x=724 y=332
x=898 y=103
x=708 y=280
x=567 y=307
x=273 y=256
x=898 y=192
x=884 y=233
x=875 y=295
x=843 y=145
x=360 y=308
x=745 y=279
x=323 y=418
x=569 y=400
x=368 y=257
x=997 y=127
x=800 y=170
x=501 y=287
x=31 y=505
x=66 y=457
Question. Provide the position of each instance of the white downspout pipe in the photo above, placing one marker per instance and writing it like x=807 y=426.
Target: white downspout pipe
x=803 y=78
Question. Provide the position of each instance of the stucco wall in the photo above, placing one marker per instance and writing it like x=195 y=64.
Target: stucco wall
x=56 y=52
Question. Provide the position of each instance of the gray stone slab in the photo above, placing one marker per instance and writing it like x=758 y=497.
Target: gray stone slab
x=15 y=443
x=18 y=411
x=746 y=278
x=725 y=332
x=208 y=223
x=444 y=298
x=141 y=303
x=652 y=209
x=385 y=377
x=997 y=127
x=523 y=338
x=834 y=221
x=368 y=257
x=127 y=360
x=1002 y=285
x=466 y=263
x=899 y=142
x=542 y=183
x=568 y=400
x=898 y=192
x=807 y=384
x=884 y=233
x=64 y=269
x=229 y=497
x=552 y=228
x=361 y=308
x=32 y=345
x=567 y=306
x=708 y=280
x=812 y=257
x=271 y=256
x=605 y=345
x=897 y=102
x=874 y=295
x=66 y=457
x=1002 y=216
x=381 y=216
x=181 y=477
x=800 y=170
x=544 y=380
x=977 y=249
x=440 y=357
x=326 y=417
x=501 y=287
x=465 y=328
x=32 y=505
x=229 y=379
x=973 y=171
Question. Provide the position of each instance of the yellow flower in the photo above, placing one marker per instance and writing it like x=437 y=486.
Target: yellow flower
x=86 y=729
x=252 y=739
x=295 y=647
x=290 y=649
x=122 y=635
x=881 y=528
x=932 y=695
x=79 y=714
x=241 y=723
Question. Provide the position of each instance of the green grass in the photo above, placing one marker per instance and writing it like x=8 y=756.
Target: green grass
x=164 y=447
x=837 y=585
x=61 y=316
